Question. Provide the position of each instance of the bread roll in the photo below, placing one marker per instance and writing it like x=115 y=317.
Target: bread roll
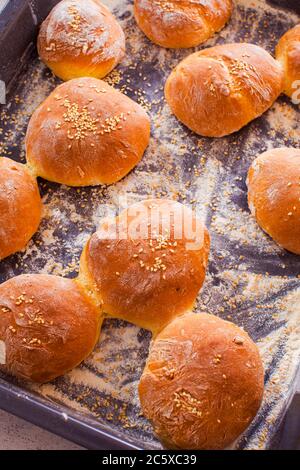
x=178 y=23
x=274 y=195
x=288 y=53
x=47 y=326
x=20 y=207
x=202 y=384
x=81 y=38
x=147 y=265
x=86 y=133
x=219 y=90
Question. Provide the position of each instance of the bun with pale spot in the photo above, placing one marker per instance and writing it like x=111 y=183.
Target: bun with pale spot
x=180 y=24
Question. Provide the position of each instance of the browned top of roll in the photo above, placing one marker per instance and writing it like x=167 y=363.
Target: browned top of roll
x=274 y=195
x=202 y=384
x=81 y=38
x=47 y=326
x=153 y=269
x=181 y=23
x=20 y=207
x=86 y=133
x=288 y=53
x=219 y=90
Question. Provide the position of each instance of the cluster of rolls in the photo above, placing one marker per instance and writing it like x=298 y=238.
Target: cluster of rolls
x=203 y=381
x=214 y=92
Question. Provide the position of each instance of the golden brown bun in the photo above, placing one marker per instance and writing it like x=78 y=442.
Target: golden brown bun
x=274 y=195
x=20 y=207
x=178 y=23
x=202 y=384
x=288 y=53
x=81 y=39
x=86 y=133
x=47 y=326
x=219 y=90
x=147 y=275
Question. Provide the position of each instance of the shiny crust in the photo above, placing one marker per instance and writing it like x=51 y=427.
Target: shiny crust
x=48 y=326
x=81 y=39
x=274 y=195
x=288 y=53
x=86 y=133
x=20 y=207
x=202 y=384
x=219 y=90
x=145 y=281
x=181 y=23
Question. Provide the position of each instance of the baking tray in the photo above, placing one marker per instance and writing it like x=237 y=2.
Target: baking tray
x=250 y=280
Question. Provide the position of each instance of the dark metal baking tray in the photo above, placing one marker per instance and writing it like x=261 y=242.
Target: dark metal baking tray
x=250 y=280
